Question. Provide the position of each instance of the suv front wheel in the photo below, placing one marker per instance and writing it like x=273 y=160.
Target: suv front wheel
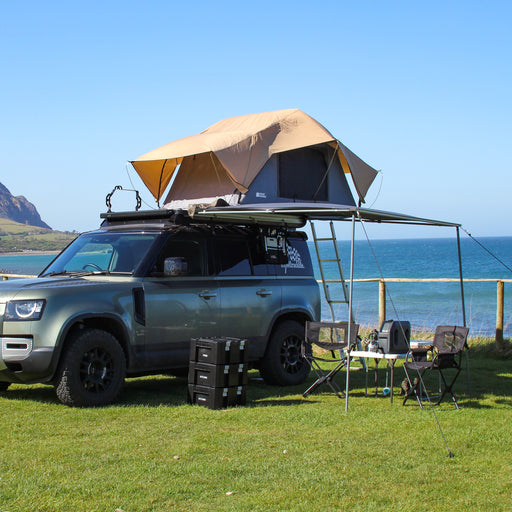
x=92 y=369
x=283 y=364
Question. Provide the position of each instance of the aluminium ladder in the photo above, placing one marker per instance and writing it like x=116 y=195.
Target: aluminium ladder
x=343 y=299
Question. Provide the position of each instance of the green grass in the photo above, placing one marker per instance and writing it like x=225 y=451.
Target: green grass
x=154 y=452
x=10 y=227
x=21 y=237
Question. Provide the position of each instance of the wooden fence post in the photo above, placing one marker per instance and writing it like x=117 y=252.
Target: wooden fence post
x=500 y=343
x=382 y=302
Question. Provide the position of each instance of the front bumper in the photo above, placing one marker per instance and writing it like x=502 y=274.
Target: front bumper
x=21 y=362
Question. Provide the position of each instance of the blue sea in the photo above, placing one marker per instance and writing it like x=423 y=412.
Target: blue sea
x=425 y=305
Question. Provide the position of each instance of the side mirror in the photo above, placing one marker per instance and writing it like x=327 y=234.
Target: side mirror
x=175 y=266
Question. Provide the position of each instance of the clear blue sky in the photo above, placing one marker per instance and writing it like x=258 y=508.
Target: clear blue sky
x=420 y=90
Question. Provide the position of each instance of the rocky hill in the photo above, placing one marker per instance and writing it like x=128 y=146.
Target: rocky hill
x=19 y=209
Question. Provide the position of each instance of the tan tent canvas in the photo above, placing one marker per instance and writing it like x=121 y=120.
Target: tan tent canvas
x=284 y=155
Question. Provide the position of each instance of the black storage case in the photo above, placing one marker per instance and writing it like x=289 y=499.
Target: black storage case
x=217 y=375
x=217 y=398
x=394 y=337
x=219 y=350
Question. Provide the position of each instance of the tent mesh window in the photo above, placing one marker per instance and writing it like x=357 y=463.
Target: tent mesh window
x=302 y=175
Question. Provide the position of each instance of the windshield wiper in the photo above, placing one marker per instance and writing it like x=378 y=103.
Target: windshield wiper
x=77 y=273
x=60 y=273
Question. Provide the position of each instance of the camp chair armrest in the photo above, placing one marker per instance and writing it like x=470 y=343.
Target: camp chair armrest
x=418 y=352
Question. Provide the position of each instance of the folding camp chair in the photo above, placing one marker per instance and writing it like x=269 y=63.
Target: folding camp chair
x=448 y=345
x=322 y=339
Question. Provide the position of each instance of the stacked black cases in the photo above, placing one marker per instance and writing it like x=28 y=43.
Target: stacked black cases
x=217 y=376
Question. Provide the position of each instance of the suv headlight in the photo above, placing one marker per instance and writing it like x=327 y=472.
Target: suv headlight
x=24 y=309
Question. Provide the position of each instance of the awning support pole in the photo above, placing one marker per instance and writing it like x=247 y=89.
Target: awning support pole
x=461 y=278
x=463 y=305
x=351 y=292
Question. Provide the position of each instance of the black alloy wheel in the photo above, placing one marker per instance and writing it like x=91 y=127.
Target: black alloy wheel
x=283 y=364
x=92 y=369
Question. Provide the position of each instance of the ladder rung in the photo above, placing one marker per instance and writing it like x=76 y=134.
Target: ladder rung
x=338 y=301
x=328 y=261
x=325 y=239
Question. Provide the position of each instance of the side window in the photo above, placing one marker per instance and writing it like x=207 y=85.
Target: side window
x=232 y=257
x=187 y=257
x=129 y=252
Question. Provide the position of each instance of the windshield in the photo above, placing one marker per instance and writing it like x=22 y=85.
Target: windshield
x=102 y=253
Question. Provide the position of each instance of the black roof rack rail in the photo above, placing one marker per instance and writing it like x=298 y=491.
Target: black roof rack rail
x=182 y=217
x=161 y=214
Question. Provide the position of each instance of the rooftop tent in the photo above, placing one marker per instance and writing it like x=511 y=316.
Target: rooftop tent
x=278 y=156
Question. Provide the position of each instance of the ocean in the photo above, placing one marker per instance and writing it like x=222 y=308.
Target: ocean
x=425 y=305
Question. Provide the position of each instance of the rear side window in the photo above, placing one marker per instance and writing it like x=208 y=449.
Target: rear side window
x=240 y=257
x=232 y=255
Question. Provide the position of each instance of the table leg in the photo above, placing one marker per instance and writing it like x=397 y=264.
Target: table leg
x=392 y=378
x=376 y=377
x=366 y=380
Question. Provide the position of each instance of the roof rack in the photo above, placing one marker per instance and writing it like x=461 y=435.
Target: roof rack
x=182 y=217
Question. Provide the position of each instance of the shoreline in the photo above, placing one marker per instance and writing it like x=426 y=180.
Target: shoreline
x=29 y=253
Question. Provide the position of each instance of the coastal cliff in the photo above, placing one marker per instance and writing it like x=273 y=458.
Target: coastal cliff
x=19 y=209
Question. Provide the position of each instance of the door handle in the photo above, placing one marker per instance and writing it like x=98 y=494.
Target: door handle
x=264 y=293
x=206 y=294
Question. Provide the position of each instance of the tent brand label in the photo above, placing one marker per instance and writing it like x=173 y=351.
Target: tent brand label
x=261 y=195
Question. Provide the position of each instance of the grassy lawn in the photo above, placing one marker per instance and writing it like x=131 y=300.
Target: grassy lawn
x=21 y=237
x=154 y=452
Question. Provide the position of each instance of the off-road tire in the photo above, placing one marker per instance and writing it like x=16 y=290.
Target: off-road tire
x=92 y=369
x=4 y=386
x=283 y=364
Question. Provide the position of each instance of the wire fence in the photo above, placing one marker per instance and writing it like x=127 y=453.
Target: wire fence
x=428 y=302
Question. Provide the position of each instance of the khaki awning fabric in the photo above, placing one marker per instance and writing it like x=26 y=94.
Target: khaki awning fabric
x=235 y=150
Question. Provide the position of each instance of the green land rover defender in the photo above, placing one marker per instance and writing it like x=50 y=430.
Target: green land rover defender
x=126 y=300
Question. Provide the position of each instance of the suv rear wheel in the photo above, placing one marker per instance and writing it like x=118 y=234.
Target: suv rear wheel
x=92 y=370
x=283 y=364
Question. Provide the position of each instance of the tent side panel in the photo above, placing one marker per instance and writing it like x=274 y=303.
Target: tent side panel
x=264 y=187
x=339 y=190
x=300 y=175
x=200 y=176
